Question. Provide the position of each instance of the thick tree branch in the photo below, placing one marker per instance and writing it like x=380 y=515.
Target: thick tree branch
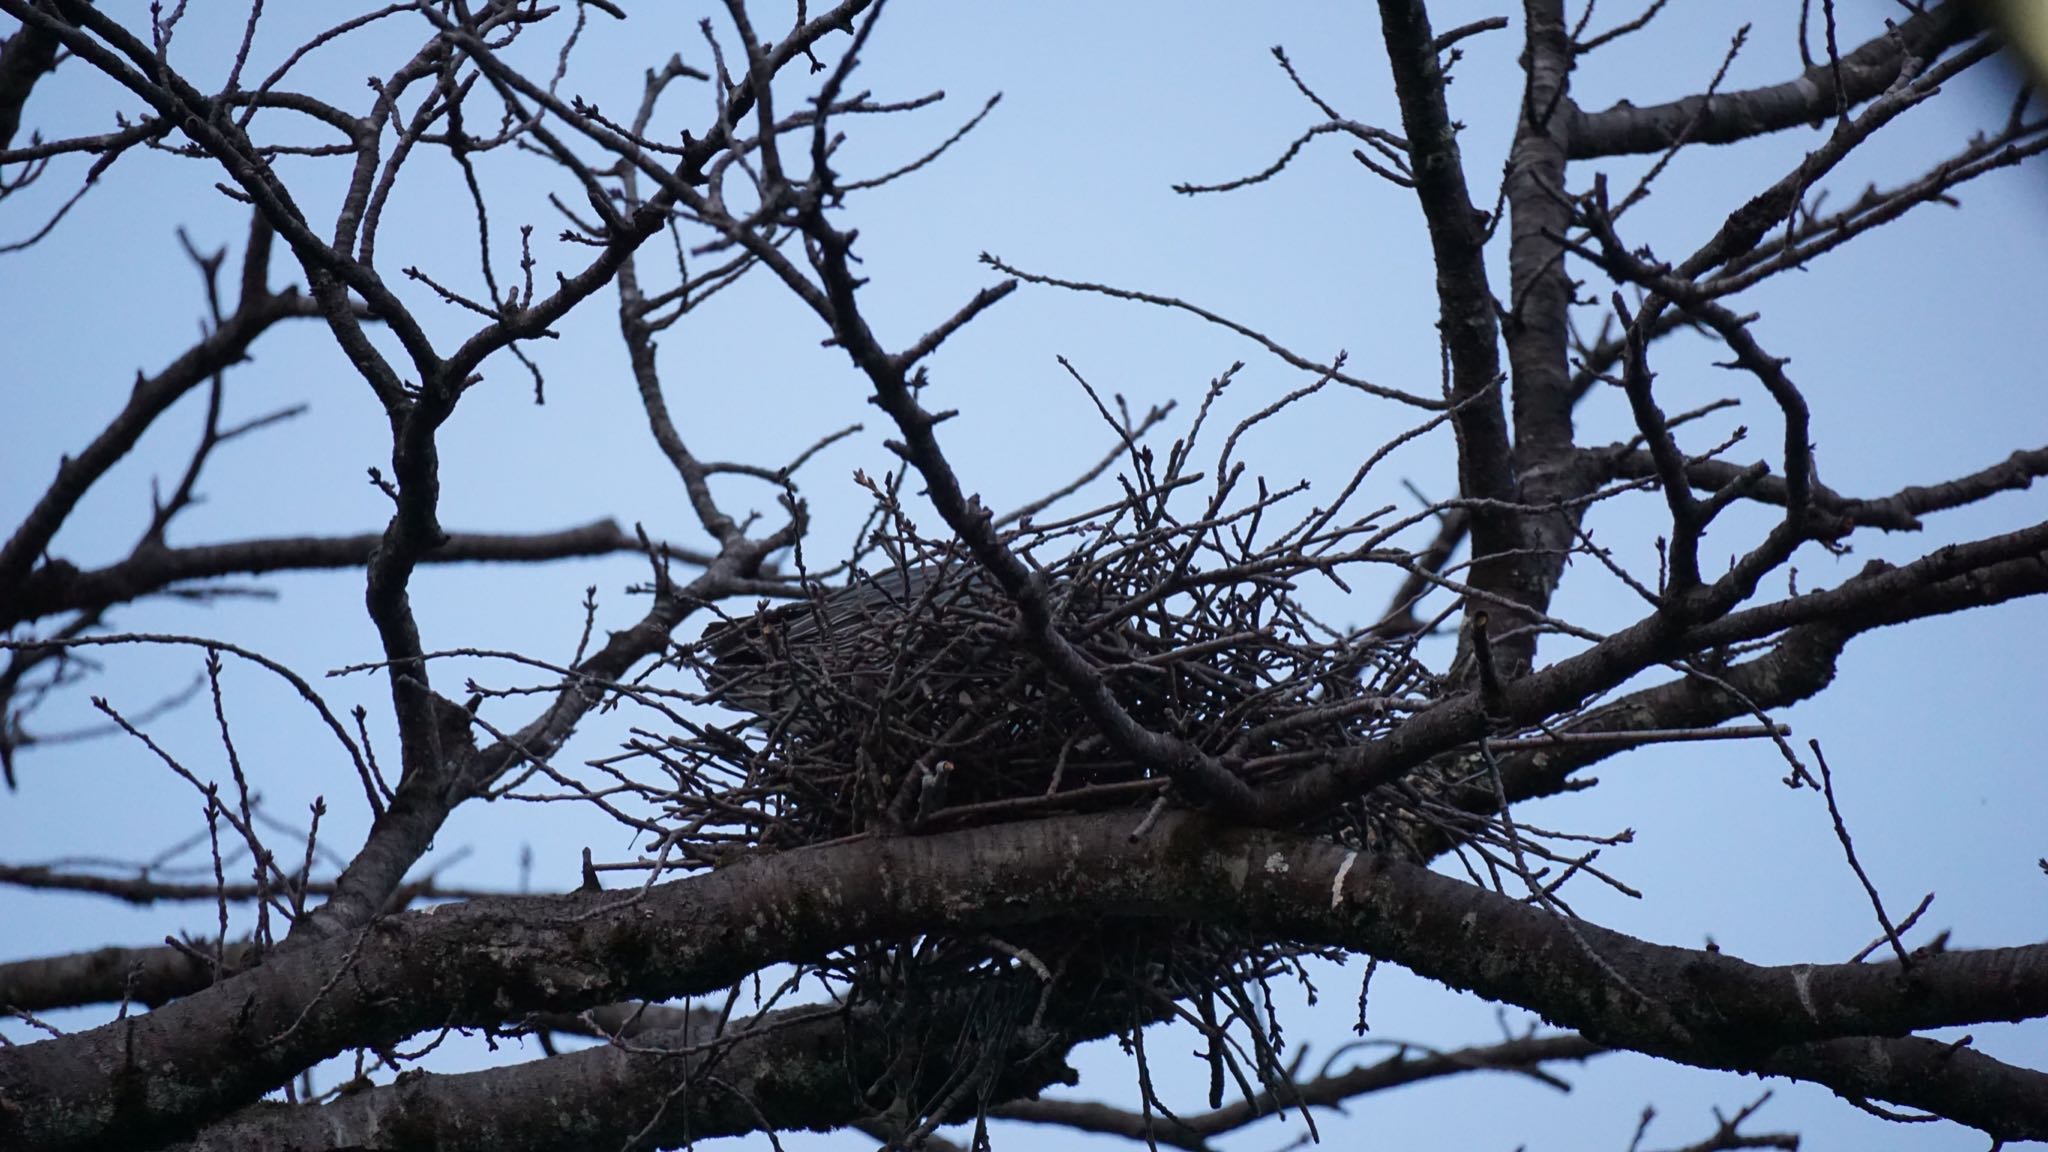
x=25 y=57
x=145 y=976
x=135 y=1081
x=801 y=1068
x=1730 y=116
x=1950 y=579
x=1548 y=470
x=1466 y=311
x=1799 y=664
x=61 y=587
x=1953 y=1081
x=1899 y=512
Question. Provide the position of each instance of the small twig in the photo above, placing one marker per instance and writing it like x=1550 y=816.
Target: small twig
x=1827 y=784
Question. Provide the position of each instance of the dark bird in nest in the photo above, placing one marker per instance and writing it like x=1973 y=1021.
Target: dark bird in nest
x=760 y=664
x=857 y=694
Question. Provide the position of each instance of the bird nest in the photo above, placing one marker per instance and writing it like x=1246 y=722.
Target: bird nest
x=910 y=701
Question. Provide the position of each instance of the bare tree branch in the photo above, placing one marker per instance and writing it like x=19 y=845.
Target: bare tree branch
x=1863 y=74
x=1401 y=1068
x=1467 y=321
x=476 y=963
x=59 y=587
x=25 y=57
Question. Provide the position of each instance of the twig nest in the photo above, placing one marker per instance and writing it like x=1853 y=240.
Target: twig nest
x=853 y=696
